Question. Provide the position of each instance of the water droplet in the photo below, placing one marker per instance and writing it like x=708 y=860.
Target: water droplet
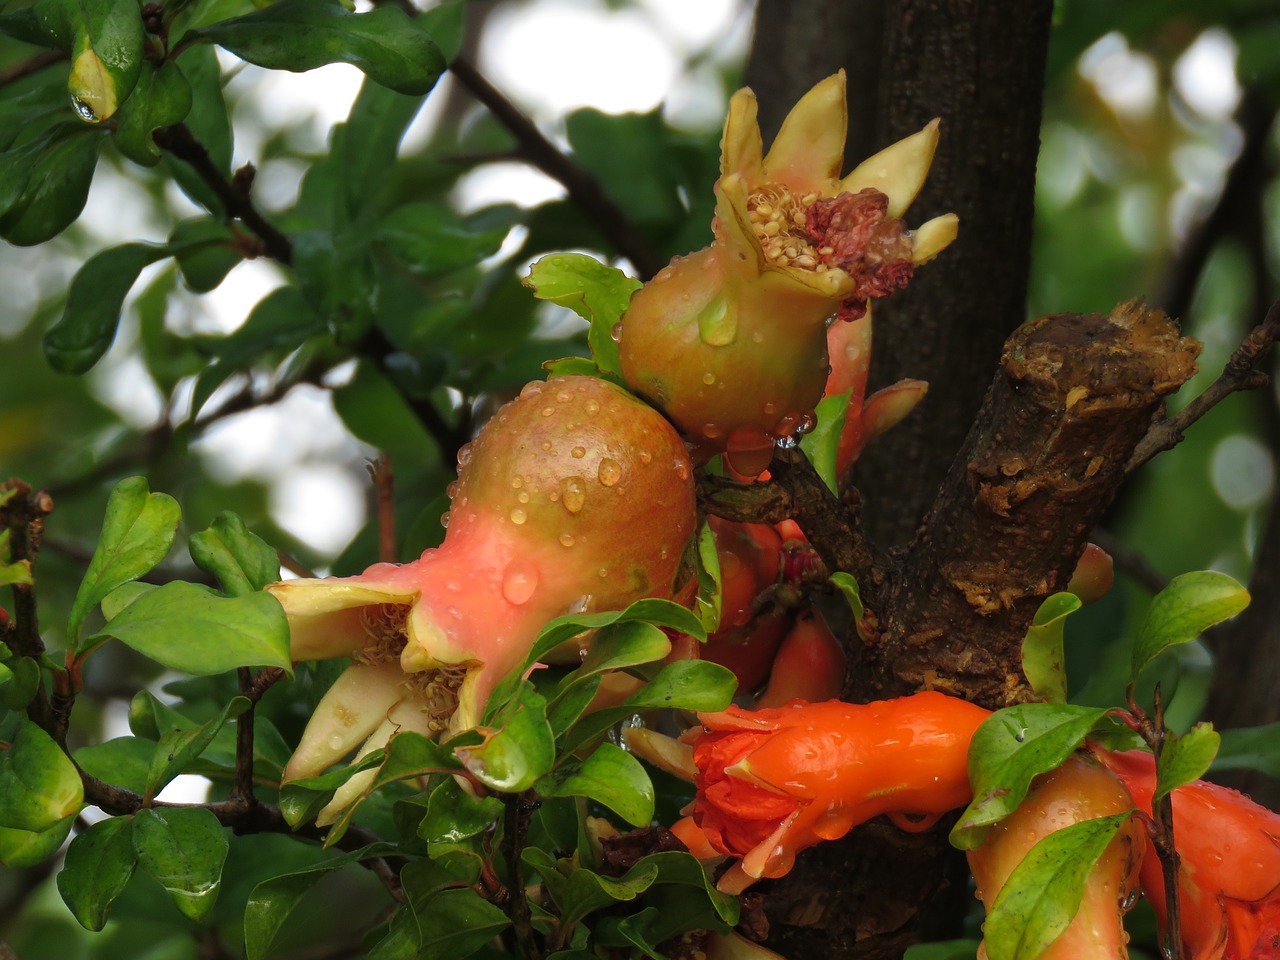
x=518 y=516
x=546 y=444
x=444 y=519
x=610 y=472
x=603 y=573
x=757 y=337
x=452 y=586
x=712 y=430
x=645 y=456
x=1129 y=900
x=523 y=496
x=451 y=490
x=615 y=332
x=548 y=411
x=806 y=423
x=564 y=396
x=717 y=325
x=335 y=742
x=532 y=388
x=789 y=442
x=85 y=111
x=464 y=455
x=592 y=406
x=516 y=483
x=708 y=378
x=578 y=453
x=566 y=540
x=573 y=491
x=748 y=451
x=682 y=470
x=519 y=581
x=770 y=408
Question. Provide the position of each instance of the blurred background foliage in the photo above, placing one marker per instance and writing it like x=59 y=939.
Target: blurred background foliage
x=1156 y=179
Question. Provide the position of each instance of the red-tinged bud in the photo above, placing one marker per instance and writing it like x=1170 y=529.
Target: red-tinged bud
x=575 y=497
x=809 y=665
x=1094 y=574
x=1229 y=876
x=749 y=650
x=1078 y=790
x=773 y=782
x=750 y=562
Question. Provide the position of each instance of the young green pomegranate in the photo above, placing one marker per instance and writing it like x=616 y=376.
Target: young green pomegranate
x=731 y=341
x=576 y=496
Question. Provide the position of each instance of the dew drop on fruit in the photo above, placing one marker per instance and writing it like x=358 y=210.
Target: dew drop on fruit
x=573 y=493
x=615 y=332
x=564 y=396
x=610 y=472
x=519 y=581
x=708 y=378
x=645 y=457
x=464 y=455
x=518 y=516
x=806 y=423
x=578 y=453
x=566 y=540
x=523 y=496
x=444 y=519
x=712 y=430
x=532 y=388
x=451 y=490
x=592 y=406
x=516 y=483
x=682 y=470
x=548 y=411
x=748 y=451
x=335 y=742
x=717 y=325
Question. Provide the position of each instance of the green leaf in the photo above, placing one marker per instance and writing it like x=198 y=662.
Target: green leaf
x=518 y=745
x=190 y=628
x=1010 y=749
x=300 y=35
x=178 y=748
x=161 y=99
x=137 y=532
x=610 y=776
x=1043 y=893
x=1250 y=748
x=847 y=584
x=587 y=891
x=1042 y=654
x=364 y=148
x=1186 y=758
x=21 y=679
x=596 y=292
x=710 y=600
x=272 y=900
x=453 y=814
x=432 y=240
x=614 y=647
x=943 y=950
x=26 y=848
x=123 y=761
x=99 y=863
x=107 y=42
x=183 y=849
x=337 y=276
x=206 y=252
x=242 y=562
x=411 y=755
x=301 y=800
x=39 y=785
x=209 y=124
x=1179 y=613
x=377 y=413
x=44 y=184
x=92 y=314
x=822 y=442
x=456 y=923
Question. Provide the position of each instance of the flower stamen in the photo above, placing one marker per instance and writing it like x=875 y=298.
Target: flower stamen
x=384 y=625
x=437 y=690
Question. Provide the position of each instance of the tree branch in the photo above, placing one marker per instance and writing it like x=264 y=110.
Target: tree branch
x=583 y=189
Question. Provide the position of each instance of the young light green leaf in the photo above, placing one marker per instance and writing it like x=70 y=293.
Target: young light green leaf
x=1186 y=758
x=301 y=800
x=39 y=785
x=411 y=755
x=178 y=748
x=596 y=292
x=1179 y=613
x=189 y=627
x=161 y=99
x=26 y=848
x=99 y=863
x=44 y=184
x=710 y=600
x=1010 y=749
x=611 y=777
x=453 y=814
x=518 y=746
x=1042 y=652
x=847 y=584
x=183 y=849
x=821 y=443
x=1043 y=893
x=243 y=562
x=300 y=35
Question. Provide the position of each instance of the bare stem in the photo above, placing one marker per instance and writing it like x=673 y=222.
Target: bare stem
x=519 y=807
x=33 y=64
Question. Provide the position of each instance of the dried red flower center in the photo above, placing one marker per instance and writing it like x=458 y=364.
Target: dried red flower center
x=853 y=232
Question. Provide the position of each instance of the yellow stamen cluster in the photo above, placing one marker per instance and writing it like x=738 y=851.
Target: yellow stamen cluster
x=384 y=625
x=778 y=221
x=437 y=690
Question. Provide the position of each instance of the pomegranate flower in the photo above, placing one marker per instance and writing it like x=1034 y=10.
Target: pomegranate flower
x=776 y=781
x=730 y=342
x=575 y=497
x=1229 y=875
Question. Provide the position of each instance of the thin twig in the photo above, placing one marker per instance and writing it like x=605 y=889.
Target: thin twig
x=1162 y=812
x=583 y=188
x=33 y=64
x=242 y=786
x=22 y=514
x=519 y=807
x=1239 y=374
x=384 y=491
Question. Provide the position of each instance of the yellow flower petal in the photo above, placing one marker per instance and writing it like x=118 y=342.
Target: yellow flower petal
x=898 y=171
x=352 y=709
x=809 y=150
x=931 y=238
x=741 y=149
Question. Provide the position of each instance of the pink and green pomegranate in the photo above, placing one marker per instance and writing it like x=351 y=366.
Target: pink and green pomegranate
x=575 y=497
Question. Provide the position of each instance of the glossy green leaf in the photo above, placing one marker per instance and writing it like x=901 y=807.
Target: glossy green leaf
x=630 y=155
x=20 y=678
x=44 y=185
x=411 y=755
x=822 y=442
x=1188 y=606
x=183 y=849
x=178 y=748
x=301 y=800
x=377 y=413
x=365 y=147
x=1043 y=893
x=137 y=532
x=710 y=601
x=189 y=627
x=208 y=122
x=299 y=35
x=337 y=277
x=518 y=745
x=1250 y=748
x=456 y=923
x=454 y=814
x=430 y=239
x=99 y=863
x=1043 y=660
x=1010 y=749
x=271 y=901
x=596 y=292
x=847 y=584
x=683 y=869
x=205 y=250
x=243 y=562
x=161 y=99
x=39 y=785
x=614 y=647
x=123 y=761
x=92 y=314
x=588 y=891
x=106 y=54
x=27 y=848
x=1186 y=758
x=610 y=776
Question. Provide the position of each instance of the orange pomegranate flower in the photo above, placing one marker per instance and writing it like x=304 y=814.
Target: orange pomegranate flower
x=776 y=781
x=1229 y=876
